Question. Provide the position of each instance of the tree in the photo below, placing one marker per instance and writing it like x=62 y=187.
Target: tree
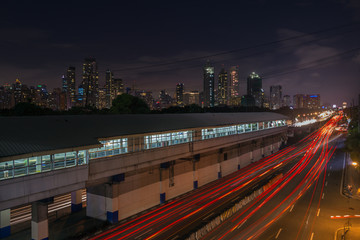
x=128 y=104
x=352 y=143
x=25 y=108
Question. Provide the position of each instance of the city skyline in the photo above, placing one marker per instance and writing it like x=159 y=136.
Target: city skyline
x=303 y=53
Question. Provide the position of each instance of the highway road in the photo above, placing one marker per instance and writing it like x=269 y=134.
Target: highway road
x=328 y=213
x=177 y=218
x=301 y=204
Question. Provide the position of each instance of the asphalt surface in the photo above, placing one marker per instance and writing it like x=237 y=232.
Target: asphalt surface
x=291 y=209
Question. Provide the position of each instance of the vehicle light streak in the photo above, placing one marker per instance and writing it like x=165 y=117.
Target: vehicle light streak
x=318 y=167
x=247 y=177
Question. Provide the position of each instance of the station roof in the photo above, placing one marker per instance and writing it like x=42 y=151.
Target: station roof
x=39 y=134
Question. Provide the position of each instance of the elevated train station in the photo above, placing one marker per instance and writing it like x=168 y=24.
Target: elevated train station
x=126 y=163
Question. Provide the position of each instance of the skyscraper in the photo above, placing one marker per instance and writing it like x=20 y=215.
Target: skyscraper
x=191 y=98
x=223 y=87
x=180 y=94
x=209 y=81
x=102 y=98
x=254 y=89
x=312 y=101
x=275 y=97
x=90 y=82
x=299 y=100
x=234 y=82
x=286 y=101
x=109 y=87
x=118 y=87
x=71 y=87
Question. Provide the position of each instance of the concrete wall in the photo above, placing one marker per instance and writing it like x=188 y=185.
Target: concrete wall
x=28 y=189
x=104 y=168
x=141 y=188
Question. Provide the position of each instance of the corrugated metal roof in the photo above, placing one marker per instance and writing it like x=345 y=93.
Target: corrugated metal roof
x=24 y=135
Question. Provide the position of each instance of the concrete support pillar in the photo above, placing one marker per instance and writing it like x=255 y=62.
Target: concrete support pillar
x=262 y=152
x=219 y=169
x=195 y=175
x=76 y=201
x=251 y=156
x=5 y=223
x=219 y=160
x=39 y=221
x=238 y=157
x=102 y=202
x=111 y=202
x=163 y=167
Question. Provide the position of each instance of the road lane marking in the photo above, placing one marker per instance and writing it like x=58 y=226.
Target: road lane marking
x=328 y=174
x=137 y=237
x=307 y=220
x=185 y=211
x=318 y=213
x=330 y=167
x=292 y=207
x=208 y=216
x=278 y=233
x=326 y=184
x=323 y=196
x=312 y=236
x=241 y=224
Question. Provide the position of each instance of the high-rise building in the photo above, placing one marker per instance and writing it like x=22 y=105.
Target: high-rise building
x=180 y=94
x=64 y=84
x=57 y=99
x=223 y=87
x=71 y=91
x=68 y=87
x=6 y=97
x=147 y=97
x=90 y=82
x=102 y=98
x=165 y=99
x=312 y=101
x=266 y=102
x=42 y=95
x=286 y=101
x=275 y=97
x=254 y=89
x=209 y=81
x=118 y=87
x=18 y=96
x=109 y=86
x=80 y=96
x=191 y=98
x=298 y=100
x=234 y=86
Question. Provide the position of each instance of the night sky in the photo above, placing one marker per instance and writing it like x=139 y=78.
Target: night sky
x=305 y=46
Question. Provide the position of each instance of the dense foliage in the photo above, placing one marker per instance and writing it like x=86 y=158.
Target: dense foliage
x=129 y=104
x=352 y=143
